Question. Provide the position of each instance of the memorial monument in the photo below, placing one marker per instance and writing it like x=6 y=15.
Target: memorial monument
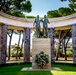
x=41 y=45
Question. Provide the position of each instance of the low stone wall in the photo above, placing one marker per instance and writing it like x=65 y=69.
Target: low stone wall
x=41 y=44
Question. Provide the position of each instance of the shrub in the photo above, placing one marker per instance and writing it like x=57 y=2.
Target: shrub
x=30 y=16
x=69 y=53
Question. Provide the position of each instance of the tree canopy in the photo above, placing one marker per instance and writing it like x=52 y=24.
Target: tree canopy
x=15 y=7
x=63 y=11
x=72 y=4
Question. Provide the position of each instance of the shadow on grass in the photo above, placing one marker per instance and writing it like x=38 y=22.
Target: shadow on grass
x=35 y=73
x=27 y=73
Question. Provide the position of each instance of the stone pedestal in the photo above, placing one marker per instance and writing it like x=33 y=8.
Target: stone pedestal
x=41 y=44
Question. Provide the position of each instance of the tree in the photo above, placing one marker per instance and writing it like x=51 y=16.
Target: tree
x=21 y=48
x=65 y=11
x=18 y=32
x=17 y=49
x=10 y=34
x=53 y=13
x=15 y=7
x=72 y=4
x=62 y=35
x=60 y=12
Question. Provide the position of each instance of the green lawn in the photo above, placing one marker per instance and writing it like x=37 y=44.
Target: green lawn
x=16 y=70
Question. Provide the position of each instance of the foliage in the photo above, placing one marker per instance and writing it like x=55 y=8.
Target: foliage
x=30 y=17
x=63 y=11
x=69 y=52
x=53 y=13
x=72 y=4
x=31 y=53
x=57 y=33
x=17 y=49
x=13 y=53
x=16 y=13
x=42 y=59
x=55 y=51
x=15 y=7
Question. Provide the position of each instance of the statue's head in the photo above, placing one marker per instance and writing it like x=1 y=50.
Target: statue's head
x=37 y=16
x=44 y=16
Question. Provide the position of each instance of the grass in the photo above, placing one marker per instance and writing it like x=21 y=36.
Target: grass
x=16 y=70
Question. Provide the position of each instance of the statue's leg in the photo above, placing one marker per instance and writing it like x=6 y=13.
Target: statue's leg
x=39 y=31
x=36 y=32
x=46 y=31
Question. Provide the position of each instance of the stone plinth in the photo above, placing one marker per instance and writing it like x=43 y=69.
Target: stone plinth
x=41 y=44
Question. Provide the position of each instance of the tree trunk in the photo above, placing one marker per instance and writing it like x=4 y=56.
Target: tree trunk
x=21 y=48
x=57 y=54
x=66 y=47
x=9 y=49
x=65 y=50
x=18 y=45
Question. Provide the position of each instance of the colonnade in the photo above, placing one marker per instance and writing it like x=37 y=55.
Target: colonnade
x=3 y=43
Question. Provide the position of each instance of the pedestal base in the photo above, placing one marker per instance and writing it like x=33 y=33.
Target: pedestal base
x=41 y=44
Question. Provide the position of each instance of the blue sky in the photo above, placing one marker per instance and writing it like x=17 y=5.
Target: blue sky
x=40 y=7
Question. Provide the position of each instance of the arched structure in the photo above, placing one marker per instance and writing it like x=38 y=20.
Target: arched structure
x=11 y=22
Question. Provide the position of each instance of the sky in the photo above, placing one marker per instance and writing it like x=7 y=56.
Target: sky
x=41 y=7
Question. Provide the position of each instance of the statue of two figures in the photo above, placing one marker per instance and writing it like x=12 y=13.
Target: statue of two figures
x=37 y=21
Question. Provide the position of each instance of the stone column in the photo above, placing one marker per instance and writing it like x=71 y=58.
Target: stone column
x=3 y=43
x=27 y=45
x=51 y=36
x=74 y=42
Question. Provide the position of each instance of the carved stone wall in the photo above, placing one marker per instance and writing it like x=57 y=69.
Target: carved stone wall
x=41 y=44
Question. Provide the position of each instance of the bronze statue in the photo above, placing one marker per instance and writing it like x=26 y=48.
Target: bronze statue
x=37 y=26
x=45 y=26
